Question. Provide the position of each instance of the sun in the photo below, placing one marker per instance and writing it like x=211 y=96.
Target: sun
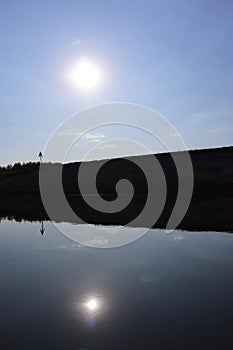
x=92 y=304
x=86 y=75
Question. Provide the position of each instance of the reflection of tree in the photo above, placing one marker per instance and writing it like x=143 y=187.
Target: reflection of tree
x=42 y=229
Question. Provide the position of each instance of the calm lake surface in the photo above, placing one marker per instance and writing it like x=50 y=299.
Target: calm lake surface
x=164 y=291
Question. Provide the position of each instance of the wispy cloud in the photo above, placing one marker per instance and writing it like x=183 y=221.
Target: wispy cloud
x=82 y=137
x=219 y=130
x=107 y=146
x=93 y=137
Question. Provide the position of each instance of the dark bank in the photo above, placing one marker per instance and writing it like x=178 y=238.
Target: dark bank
x=209 y=210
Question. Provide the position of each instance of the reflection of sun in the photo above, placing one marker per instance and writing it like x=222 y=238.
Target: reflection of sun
x=92 y=304
x=86 y=75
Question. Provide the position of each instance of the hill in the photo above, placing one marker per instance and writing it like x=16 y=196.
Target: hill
x=210 y=207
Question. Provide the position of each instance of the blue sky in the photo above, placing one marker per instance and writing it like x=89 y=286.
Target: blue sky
x=173 y=56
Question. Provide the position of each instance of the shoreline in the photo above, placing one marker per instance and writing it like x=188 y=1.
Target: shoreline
x=210 y=208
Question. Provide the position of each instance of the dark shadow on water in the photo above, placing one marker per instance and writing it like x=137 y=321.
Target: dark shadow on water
x=211 y=214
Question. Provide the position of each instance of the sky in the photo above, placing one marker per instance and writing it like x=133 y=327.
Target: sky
x=172 y=56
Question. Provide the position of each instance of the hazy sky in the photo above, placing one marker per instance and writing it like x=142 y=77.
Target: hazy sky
x=174 y=56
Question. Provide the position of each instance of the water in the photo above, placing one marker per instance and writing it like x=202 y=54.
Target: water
x=164 y=291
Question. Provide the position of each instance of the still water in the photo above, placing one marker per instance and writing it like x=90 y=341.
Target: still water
x=164 y=291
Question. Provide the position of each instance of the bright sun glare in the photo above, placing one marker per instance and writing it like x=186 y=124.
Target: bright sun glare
x=86 y=75
x=92 y=304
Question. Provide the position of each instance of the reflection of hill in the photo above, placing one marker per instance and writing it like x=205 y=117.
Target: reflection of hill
x=202 y=215
x=210 y=208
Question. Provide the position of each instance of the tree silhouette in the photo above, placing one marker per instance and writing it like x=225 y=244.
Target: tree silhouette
x=40 y=155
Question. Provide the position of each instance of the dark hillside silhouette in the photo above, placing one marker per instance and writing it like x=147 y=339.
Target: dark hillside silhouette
x=210 y=207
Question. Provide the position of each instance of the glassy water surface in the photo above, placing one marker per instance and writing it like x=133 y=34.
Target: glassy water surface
x=164 y=291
